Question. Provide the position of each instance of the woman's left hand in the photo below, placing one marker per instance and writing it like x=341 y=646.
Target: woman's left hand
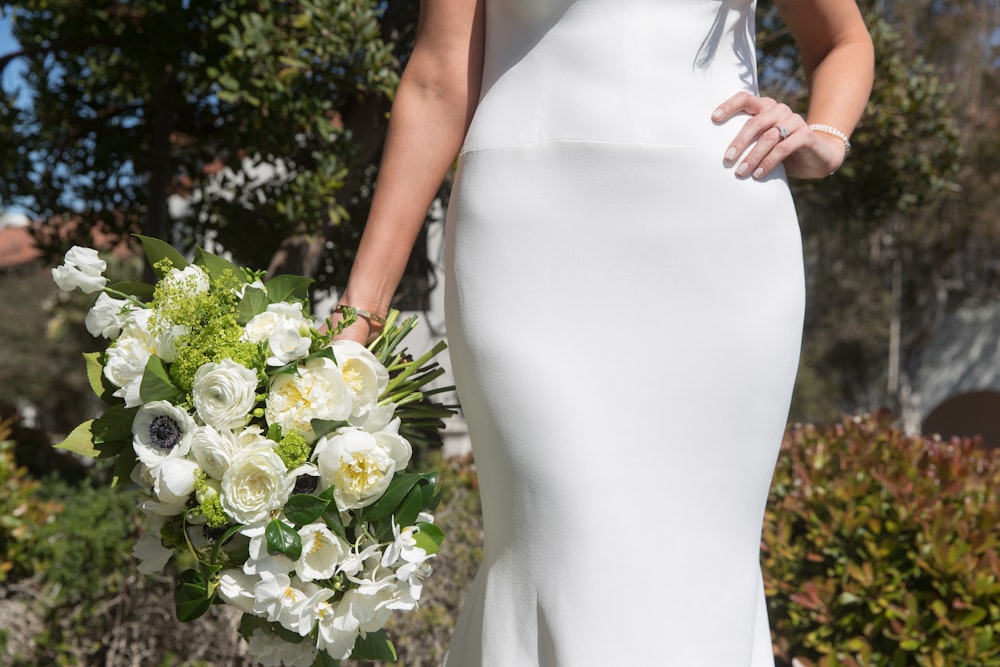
x=804 y=152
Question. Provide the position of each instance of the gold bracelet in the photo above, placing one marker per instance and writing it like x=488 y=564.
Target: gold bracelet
x=833 y=132
x=372 y=318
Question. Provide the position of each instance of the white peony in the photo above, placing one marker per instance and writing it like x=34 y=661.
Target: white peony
x=360 y=465
x=224 y=393
x=322 y=552
x=317 y=392
x=81 y=269
x=270 y=650
x=364 y=375
x=161 y=431
x=191 y=279
x=107 y=316
x=213 y=450
x=255 y=484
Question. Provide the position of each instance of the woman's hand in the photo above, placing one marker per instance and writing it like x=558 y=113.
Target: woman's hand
x=360 y=330
x=804 y=152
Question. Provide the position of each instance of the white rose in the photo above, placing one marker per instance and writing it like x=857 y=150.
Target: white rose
x=161 y=431
x=213 y=450
x=107 y=316
x=192 y=279
x=360 y=465
x=364 y=375
x=261 y=326
x=224 y=393
x=322 y=552
x=81 y=269
x=255 y=484
x=317 y=392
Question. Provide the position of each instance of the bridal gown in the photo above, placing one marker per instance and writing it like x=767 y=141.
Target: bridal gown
x=624 y=317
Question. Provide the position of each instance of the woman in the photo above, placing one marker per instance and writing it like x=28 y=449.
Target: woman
x=624 y=303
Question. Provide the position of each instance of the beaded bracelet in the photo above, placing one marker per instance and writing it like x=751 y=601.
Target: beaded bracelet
x=372 y=318
x=832 y=131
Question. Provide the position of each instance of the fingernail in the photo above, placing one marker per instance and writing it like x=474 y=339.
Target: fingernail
x=717 y=113
x=759 y=172
x=743 y=168
x=730 y=154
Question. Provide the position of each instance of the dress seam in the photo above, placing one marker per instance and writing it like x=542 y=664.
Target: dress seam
x=608 y=142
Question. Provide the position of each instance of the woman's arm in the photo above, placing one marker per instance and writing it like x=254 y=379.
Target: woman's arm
x=838 y=59
x=437 y=95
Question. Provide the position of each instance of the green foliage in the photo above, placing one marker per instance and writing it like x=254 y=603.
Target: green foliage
x=881 y=549
x=23 y=515
x=272 y=98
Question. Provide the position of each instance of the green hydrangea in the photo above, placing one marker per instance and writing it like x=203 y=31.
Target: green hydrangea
x=211 y=509
x=293 y=450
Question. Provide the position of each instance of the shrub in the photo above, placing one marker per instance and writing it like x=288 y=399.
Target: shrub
x=882 y=549
x=22 y=514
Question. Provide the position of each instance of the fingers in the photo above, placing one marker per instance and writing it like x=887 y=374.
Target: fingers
x=771 y=134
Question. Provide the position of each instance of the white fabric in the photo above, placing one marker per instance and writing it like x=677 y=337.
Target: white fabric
x=624 y=317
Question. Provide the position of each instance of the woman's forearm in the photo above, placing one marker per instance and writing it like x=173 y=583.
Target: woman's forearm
x=430 y=115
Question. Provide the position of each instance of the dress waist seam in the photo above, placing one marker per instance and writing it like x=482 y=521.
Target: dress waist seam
x=606 y=142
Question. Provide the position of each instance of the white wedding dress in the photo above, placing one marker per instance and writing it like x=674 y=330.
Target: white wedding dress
x=624 y=316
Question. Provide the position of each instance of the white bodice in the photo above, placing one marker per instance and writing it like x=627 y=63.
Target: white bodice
x=630 y=71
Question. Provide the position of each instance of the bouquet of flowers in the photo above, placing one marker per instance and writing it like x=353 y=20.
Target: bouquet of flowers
x=271 y=458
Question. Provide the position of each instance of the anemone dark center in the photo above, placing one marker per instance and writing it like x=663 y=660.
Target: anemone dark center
x=164 y=432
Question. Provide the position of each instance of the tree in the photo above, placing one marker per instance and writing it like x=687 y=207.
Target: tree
x=884 y=238
x=134 y=101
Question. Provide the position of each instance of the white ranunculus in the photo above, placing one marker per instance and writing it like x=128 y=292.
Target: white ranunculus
x=213 y=450
x=252 y=435
x=191 y=279
x=107 y=316
x=255 y=484
x=316 y=392
x=161 y=431
x=364 y=375
x=224 y=393
x=270 y=650
x=174 y=480
x=236 y=588
x=81 y=269
x=360 y=465
x=322 y=552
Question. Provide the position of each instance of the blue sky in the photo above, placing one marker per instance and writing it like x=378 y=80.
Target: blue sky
x=12 y=73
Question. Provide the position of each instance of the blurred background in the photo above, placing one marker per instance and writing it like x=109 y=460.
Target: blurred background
x=253 y=128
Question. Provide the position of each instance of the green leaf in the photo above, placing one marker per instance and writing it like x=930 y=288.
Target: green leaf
x=95 y=372
x=113 y=428
x=80 y=441
x=374 y=646
x=408 y=511
x=124 y=464
x=193 y=595
x=253 y=303
x=156 y=384
x=303 y=509
x=331 y=515
x=323 y=659
x=393 y=496
x=157 y=250
x=429 y=538
x=140 y=290
x=288 y=288
x=215 y=265
x=322 y=427
x=282 y=539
